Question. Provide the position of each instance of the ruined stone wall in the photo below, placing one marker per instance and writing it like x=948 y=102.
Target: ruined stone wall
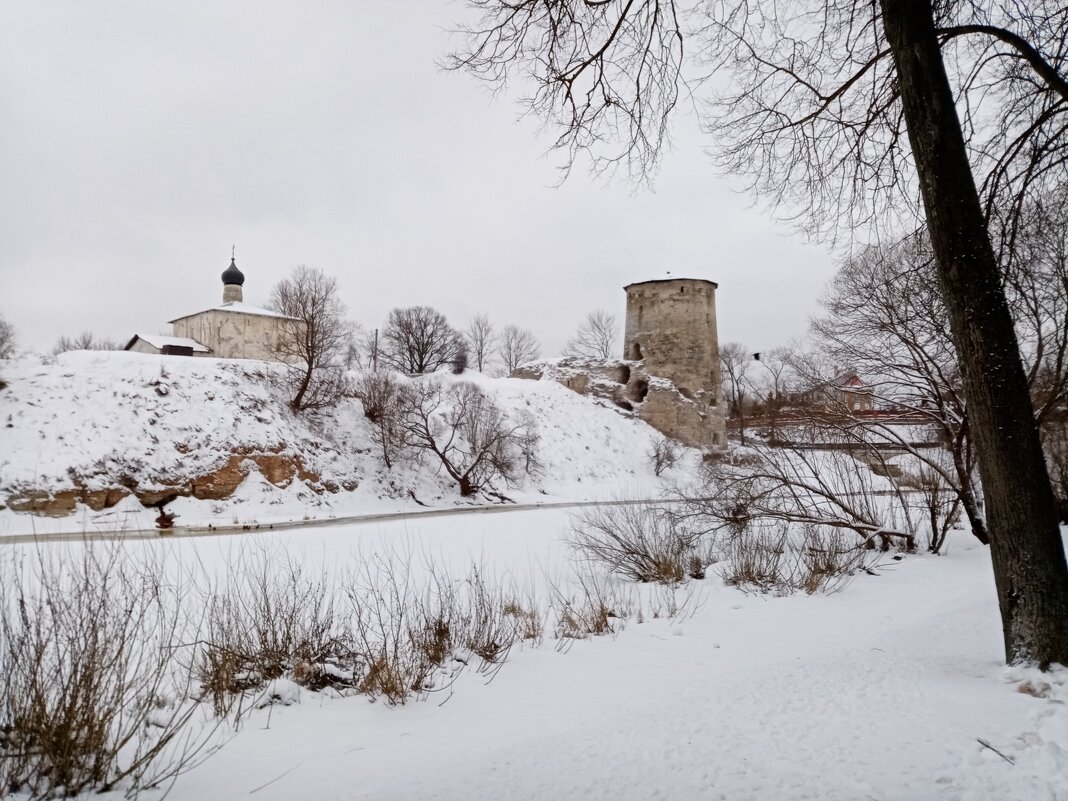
x=634 y=390
x=678 y=417
x=232 y=335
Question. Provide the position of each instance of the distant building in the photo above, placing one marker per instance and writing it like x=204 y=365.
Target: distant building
x=232 y=330
x=168 y=346
x=846 y=392
x=854 y=394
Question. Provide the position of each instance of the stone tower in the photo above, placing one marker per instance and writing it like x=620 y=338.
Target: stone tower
x=233 y=281
x=671 y=327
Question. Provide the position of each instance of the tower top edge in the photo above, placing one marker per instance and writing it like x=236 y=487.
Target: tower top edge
x=671 y=280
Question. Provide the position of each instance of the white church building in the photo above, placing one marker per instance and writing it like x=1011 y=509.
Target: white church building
x=232 y=330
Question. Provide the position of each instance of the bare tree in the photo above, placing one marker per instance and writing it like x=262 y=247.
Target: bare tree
x=842 y=108
x=418 y=339
x=466 y=431
x=314 y=338
x=516 y=346
x=771 y=385
x=806 y=485
x=664 y=454
x=353 y=357
x=480 y=336
x=371 y=348
x=596 y=338
x=734 y=359
x=7 y=339
x=885 y=316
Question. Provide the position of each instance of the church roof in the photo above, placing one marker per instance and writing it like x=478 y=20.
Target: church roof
x=239 y=307
x=232 y=275
x=159 y=341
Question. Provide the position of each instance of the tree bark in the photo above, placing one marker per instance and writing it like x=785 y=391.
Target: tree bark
x=1025 y=542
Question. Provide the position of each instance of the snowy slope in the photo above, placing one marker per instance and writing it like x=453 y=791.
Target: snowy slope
x=101 y=419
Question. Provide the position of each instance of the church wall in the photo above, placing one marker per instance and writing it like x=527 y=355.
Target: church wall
x=233 y=335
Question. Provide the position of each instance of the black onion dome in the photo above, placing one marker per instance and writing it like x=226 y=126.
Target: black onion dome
x=233 y=275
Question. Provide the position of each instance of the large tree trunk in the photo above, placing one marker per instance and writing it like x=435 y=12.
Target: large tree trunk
x=1025 y=543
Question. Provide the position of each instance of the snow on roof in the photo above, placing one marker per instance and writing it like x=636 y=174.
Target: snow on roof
x=240 y=308
x=160 y=340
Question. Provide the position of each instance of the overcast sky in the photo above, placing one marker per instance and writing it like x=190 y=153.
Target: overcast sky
x=140 y=140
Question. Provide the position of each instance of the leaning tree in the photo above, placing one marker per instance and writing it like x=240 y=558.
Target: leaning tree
x=313 y=338
x=843 y=108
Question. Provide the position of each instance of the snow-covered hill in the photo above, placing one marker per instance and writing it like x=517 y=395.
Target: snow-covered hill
x=86 y=434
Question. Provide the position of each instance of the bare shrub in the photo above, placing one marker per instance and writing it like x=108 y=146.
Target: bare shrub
x=939 y=503
x=395 y=638
x=96 y=695
x=377 y=392
x=596 y=608
x=470 y=436
x=416 y=639
x=86 y=340
x=385 y=400
x=459 y=361
x=272 y=620
x=527 y=621
x=8 y=339
x=828 y=558
x=755 y=559
x=489 y=631
x=664 y=454
x=643 y=542
x=391 y=634
x=781 y=559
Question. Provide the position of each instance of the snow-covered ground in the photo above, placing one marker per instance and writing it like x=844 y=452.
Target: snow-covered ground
x=893 y=688
x=882 y=691
x=93 y=417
